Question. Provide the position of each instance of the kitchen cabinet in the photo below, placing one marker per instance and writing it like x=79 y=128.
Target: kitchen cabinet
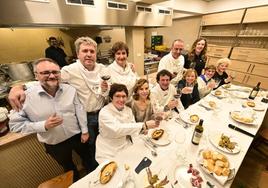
x=242 y=36
x=230 y=17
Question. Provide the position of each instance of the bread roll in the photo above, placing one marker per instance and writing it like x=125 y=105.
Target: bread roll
x=206 y=154
x=219 y=163
x=226 y=171
x=218 y=92
x=218 y=170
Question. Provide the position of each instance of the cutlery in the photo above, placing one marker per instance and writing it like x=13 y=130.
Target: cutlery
x=149 y=141
x=153 y=151
x=184 y=124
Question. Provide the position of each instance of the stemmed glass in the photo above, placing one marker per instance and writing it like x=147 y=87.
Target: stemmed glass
x=217 y=82
x=190 y=87
x=232 y=74
x=158 y=113
x=178 y=94
x=181 y=150
x=105 y=75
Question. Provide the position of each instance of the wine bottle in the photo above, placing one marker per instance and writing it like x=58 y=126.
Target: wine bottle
x=254 y=91
x=198 y=131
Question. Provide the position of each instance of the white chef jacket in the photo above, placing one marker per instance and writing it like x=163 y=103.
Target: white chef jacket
x=172 y=65
x=84 y=81
x=161 y=98
x=202 y=87
x=123 y=76
x=114 y=126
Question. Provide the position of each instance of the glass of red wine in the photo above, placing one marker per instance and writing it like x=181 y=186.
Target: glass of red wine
x=104 y=74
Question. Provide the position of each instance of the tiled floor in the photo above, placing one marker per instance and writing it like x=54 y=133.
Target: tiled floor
x=249 y=173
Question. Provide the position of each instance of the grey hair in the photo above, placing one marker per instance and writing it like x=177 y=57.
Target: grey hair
x=86 y=40
x=40 y=60
x=177 y=40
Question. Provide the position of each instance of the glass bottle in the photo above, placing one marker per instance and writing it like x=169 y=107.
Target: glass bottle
x=198 y=132
x=254 y=91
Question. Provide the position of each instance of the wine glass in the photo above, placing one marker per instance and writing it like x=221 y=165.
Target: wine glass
x=217 y=82
x=232 y=74
x=181 y=150
x=190 y=87
x=105 y=75
x=178 y=94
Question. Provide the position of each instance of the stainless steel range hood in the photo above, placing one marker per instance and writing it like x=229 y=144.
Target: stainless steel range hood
x=28 y=13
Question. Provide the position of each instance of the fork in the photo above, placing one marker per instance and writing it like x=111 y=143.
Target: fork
x=184 y=124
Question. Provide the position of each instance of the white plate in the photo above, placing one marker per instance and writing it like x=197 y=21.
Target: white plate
x=221 y=179
x=258 y=106
x=239 y=94
x=162 y=141
x=214 y=138
x=236 y=88
x=244 y=114
x=185 y=116
x=183 y=178
x=205 y=103
x=223 y=94
x=118 y=180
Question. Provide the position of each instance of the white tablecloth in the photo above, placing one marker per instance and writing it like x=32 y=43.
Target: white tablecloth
x=166 y=160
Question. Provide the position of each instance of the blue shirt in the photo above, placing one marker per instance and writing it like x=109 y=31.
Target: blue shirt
x=39 y=106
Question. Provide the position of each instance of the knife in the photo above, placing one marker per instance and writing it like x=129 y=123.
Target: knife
x=240 y=130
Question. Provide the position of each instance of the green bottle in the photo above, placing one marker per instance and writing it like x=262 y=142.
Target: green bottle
x=198 y=132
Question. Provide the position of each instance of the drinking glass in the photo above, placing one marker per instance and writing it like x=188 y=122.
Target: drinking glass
x=178 y=94
x=232 y=74
x=181 y=150
x=105 y=75
x=190 y=87
x=217 y=82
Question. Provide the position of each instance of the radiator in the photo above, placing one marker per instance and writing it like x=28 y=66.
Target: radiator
x=24 y=163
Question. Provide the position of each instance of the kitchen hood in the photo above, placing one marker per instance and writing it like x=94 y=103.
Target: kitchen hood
x=72 y=13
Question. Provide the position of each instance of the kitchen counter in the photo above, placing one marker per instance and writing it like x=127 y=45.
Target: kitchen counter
x=10 y=137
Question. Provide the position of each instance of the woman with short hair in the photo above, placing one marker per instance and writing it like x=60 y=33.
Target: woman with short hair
x=117 y=125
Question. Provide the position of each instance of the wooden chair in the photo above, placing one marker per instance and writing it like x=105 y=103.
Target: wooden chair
x=263 y=182
x=61 y=181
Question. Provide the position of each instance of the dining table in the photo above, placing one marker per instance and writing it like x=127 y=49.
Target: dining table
x=172 y=155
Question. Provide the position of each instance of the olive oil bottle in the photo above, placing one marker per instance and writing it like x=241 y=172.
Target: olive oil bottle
x=198 y=131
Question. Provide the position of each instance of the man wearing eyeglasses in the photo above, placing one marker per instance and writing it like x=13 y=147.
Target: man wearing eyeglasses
x=53 y=111
x=174 y=61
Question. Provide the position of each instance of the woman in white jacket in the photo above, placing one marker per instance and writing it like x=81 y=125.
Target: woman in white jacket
x=121 y=71
x=117 y=125
x=205 y=81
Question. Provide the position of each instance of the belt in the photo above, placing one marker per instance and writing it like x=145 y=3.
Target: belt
x=93 y=112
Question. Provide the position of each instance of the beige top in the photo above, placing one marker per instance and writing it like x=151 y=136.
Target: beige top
x=141 y=115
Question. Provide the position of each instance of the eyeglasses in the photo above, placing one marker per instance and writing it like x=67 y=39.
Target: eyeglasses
x=47 y=73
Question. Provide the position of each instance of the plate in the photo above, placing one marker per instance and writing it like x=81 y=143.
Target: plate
x=162 y=141
x=209 y=104
x=232 y=87
x=246 y=117
x=239 y=94
x=185 y=116
x=214 y=138
x=258 y=106
x=182 y=178
x=121 y=177
x=221 y=179
x=222 y=95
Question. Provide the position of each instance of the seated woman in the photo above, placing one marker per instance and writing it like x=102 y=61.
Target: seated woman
x=220 y=75
x=189 y=88
x=205 y=81
x=140 y=104
x=117 y=125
